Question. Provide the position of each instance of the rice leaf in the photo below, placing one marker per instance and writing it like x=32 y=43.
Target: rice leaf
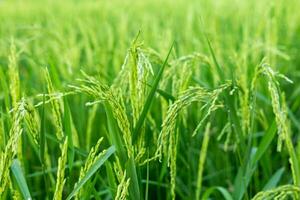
x=274 y=180
x=134 y=190
x=21 y=181
x=68 y=132
x=243 y=177
x=202 y=157
x=93 y=169
x=42 y=133
x=225 y=193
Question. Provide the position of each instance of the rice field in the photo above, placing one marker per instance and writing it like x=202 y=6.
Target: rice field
x=145 y=100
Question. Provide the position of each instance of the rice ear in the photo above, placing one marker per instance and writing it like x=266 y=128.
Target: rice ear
x=60 y=178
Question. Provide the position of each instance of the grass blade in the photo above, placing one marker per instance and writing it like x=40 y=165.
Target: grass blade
x=42 y=134
x=167 y=96
x=219 y=68
x=202 y=157
x=272 y=183
x=134 y=183
x=114 y=135
x=92 y=171
x=111 y=179
x=226 y=195
x=265 y=143
x=19 y=176
x=68 y=133
x=244 y=176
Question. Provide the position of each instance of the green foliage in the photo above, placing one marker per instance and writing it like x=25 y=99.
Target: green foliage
x=178 y=99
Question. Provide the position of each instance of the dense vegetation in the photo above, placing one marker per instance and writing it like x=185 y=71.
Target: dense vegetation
x=149 y=99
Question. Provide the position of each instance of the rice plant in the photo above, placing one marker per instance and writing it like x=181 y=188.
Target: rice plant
x=149 y=99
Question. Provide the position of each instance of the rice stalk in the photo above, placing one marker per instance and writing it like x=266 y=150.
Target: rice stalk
x=294 y=161
x=55 y=107
x=202 y=157
x=173 y=159
x=280 y=111
x=2 y=133
x=212 y=107
x=123 y=179
x=189 y=96
x=122 y=190
x=90 y=122
x=60 y=177
x=273 y=86
x=32 y=123
x=11 y=147
x=13 y=74
x=167 y=141
x=14 y=84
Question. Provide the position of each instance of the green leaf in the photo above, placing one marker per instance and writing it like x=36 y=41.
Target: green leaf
x=111 y=179
x=244 y=176
x=147 y=179
x=117 y=140
x=68 y=132
x=223 y=191
x=134 y=189
x=265 y=143
x=19 y=176
x=92 y=171
x=150 y=98
x=42 y=133
x=164 y=94
x=114 y=135
x=272 y=183
x=212 y=52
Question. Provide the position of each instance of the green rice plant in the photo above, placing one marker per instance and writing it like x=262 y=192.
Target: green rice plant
x=60 y=176
x=122 y=190
x=91 y=121
x=14 y=74
x=280 y=111
x=92 y=157
x=55 y=107
x=222 y=83
x=102 y=92
x=11 y=147
x=91 y=168
x=32 y=123
x=275 y=96
x=168 y=137
x=2 y=134
x=168 y=127
x=294 y=161
x=202 y=157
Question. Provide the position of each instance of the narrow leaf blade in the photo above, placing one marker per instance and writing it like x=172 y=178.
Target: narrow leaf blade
x=21 y=181
x=92 y=171
x=68 y=132
x=272 y=183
